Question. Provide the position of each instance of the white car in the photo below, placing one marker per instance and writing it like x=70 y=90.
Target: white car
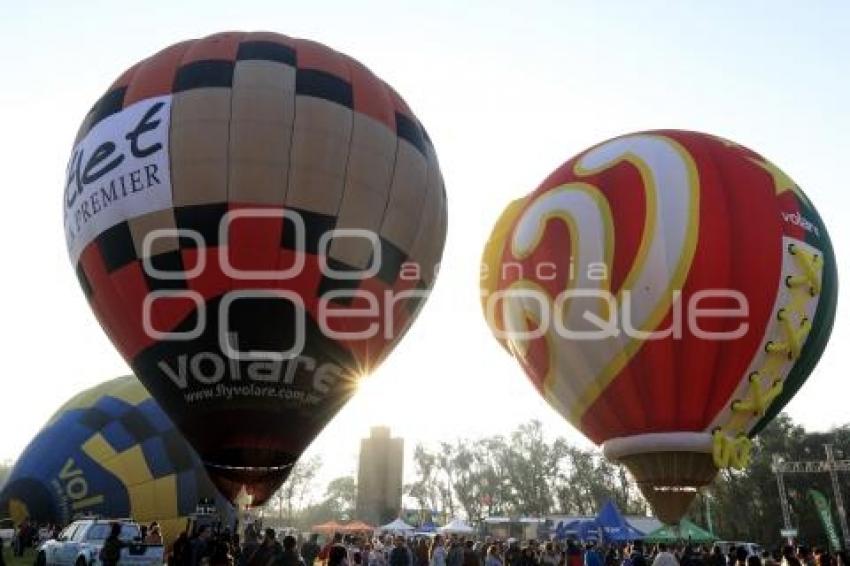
x=80 y=542
x=7 y=531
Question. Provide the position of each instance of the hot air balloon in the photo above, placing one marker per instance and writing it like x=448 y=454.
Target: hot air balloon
x=110 y=451
x=667 y=292
x=255 y=221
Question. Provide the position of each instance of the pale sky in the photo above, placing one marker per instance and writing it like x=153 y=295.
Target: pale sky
x=507 y=91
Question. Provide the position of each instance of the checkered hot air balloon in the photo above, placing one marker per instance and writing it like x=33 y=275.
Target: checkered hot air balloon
x=667 y=292
x=255 y=221
x=109 y=451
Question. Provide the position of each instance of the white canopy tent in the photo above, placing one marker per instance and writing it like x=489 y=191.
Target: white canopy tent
x=458 y=527
x=397 y=526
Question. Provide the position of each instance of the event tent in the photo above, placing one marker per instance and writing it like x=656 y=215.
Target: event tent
x=397 y=526
x=357 y=527
x=328 y=527
x=427 y=528
x=613 y=526
x=581 y=529
x=457 y=526
x=685 y=530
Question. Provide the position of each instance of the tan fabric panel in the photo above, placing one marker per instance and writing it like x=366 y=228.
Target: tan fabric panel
x=356 y=251
x=401 y=220
x=199 y=139
x=367 y=186
x=263 y=111
x=435 y=245
x=429 y=225
x=159 y=220
x=319 y=154
x=428 y=246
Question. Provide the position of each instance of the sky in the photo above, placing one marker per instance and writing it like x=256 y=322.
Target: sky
x=507 y=92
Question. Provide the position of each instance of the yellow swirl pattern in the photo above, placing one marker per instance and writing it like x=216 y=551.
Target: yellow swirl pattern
x=580 y=371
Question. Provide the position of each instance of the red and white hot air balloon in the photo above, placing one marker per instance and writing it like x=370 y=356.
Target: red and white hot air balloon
x=667 y=292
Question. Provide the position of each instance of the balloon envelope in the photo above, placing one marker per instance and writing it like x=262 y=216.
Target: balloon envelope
x=255 y=220
x=109 y=451
x=667 y=292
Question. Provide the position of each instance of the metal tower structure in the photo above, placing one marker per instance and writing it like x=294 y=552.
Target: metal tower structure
x=830 y=466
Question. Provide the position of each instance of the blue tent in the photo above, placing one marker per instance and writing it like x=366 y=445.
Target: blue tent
x=428 y=527
x=561 y=530
x=614 y=526
x=581 y=529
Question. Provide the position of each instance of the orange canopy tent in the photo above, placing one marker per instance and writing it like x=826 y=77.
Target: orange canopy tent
x=357 y=527
x=327 y=527
x=335 y=527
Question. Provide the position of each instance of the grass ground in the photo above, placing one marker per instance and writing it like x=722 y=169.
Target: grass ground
x=26 y=560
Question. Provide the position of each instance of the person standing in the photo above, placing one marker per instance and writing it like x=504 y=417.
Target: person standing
x=154 y=535
x=289 y=556
x=200 y=545
x=493 y=558
x=664 y=557
x=338 y=555
x=788 y=557
x=574 y=555
x=181 y=551
x=592 y=556
x=399 y=555
x=110 y=554
x=437 y=555
x=548 y=557
x=220 y=554
x=513 y=553
x=637 y=558
x=469 y=556
x=455 y=554
x=716 y=557
x=422 y=556
x=310 y=550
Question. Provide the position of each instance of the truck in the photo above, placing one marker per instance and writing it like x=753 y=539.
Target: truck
x=79 y=544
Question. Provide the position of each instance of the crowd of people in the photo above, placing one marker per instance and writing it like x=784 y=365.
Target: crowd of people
x=462 y=551
x=207 y=546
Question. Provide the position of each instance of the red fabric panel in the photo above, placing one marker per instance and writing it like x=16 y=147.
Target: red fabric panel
x=155 y=75
x=219 y=46
x=370 y=95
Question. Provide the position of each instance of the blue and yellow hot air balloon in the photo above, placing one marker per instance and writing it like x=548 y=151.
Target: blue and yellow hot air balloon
x=109 y=451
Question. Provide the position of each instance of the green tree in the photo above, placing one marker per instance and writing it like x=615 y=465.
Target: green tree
x=341 y=497
x=533 y=469
x=291 y=496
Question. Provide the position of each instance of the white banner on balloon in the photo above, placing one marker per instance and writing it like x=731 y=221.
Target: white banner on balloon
x=120 y=170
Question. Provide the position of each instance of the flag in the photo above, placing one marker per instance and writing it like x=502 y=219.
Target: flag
x=822 y=506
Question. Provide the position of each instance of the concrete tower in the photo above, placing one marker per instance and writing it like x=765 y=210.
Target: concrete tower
x=379 y=480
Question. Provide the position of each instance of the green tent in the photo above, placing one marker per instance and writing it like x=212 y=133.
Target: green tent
x=685 y=530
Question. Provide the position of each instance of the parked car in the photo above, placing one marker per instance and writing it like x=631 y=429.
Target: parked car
x=79 y=544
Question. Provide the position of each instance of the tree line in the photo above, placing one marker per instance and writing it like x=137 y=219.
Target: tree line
x=521 y=474
x=524 y=474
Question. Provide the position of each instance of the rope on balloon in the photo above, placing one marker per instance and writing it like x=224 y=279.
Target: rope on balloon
x=731 y=446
